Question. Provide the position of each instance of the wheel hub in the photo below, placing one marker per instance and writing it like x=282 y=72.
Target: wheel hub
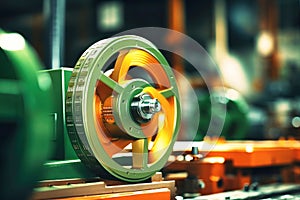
x=143 y=107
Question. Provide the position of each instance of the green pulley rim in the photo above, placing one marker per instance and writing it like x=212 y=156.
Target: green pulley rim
x=80 y=108
x=24 y=116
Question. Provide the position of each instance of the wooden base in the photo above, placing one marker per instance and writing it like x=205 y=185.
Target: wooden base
x=157 y=189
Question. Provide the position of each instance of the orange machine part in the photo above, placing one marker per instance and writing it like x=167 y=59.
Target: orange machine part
x=112 y=137
x=161 y=194
x=257 y=158
x=256 y=154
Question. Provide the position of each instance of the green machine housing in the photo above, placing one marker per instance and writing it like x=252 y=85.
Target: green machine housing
x=64 y=163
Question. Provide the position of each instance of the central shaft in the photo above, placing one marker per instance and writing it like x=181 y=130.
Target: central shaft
x=143 y=107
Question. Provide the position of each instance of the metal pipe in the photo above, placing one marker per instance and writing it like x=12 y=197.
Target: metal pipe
x=54 y=12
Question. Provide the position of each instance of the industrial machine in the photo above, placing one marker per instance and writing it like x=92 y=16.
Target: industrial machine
x=107 y=128
x=25 y=122
x=244 y=166
x=115 y=116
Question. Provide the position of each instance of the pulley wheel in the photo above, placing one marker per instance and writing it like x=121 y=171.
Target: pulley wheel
x=25 y=122
x=123 y=109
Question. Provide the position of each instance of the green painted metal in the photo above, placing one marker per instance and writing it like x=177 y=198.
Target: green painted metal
x=64 y=162
x=236 y=123
x=63 y=149
x=111 y=83
x=123 y=116
x=25 y=124
x=66 y=169
x=79 y=105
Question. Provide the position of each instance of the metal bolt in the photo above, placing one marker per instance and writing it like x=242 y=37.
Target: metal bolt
x=150 y=106
x=144 y=107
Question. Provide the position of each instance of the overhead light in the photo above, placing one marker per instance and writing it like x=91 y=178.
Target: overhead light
x=12 y=41
x=265 y=43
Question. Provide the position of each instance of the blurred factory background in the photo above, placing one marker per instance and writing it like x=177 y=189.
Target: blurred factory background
x=242 y=27
x=254 y=43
